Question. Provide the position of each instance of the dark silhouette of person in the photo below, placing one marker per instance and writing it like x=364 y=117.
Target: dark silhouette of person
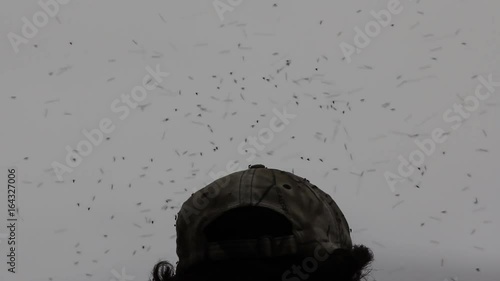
x=263 y=224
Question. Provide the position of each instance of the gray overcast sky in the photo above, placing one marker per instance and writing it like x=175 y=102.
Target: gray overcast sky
x=364 y=93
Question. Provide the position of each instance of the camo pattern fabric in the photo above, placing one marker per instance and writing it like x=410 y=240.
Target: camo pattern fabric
x=314 y=215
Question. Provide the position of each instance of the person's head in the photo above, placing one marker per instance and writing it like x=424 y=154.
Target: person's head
x=263 y=224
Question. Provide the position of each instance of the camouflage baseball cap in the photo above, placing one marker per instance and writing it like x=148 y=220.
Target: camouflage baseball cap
x=314 y=216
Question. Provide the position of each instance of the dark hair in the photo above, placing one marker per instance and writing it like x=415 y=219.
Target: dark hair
x=340 y=265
